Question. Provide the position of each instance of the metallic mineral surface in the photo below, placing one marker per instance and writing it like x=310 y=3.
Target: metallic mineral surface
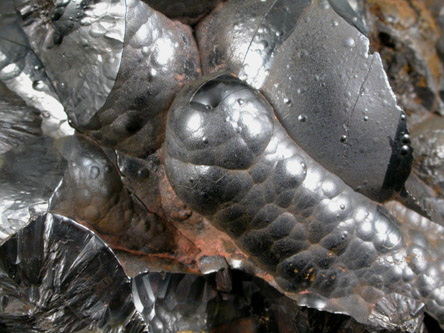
x=58 y=275
x=227 y=165
x=229 y=159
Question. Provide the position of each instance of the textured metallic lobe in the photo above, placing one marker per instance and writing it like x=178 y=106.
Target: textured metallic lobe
x=92 y=192
x=159 y=57
x=116 y=65
x=233 y=162
x=80 y=44
x=329 y=93
x=22 y=72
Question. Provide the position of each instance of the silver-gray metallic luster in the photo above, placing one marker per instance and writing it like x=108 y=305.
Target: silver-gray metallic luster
x=22 y=72
x=228 y=158
x=351 y=11
x=58 y=276
x=159 y=57
x=29 y=174
x=328 y=91
x=428 y=142
x=116 y=66
x=92 y=192
x=80 y=45
x=18 y=122
x=230 y=302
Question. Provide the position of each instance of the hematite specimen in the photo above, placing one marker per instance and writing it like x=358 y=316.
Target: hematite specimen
x=58 y=276
x=117 y=65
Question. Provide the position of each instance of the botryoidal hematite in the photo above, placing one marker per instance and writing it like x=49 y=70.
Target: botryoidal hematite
x=231 y=160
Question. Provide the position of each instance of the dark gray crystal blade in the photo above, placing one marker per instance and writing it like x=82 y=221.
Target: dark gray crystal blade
x=18 y=122
x=56 y=275
x=29 y=174
x=187 y=11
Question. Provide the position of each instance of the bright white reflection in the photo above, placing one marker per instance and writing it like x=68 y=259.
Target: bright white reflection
x=253 y=70
x=54 y=120
x=293 y=167
x=253 y=124
x=313 y=179
x=194 y=123
x=164 y=51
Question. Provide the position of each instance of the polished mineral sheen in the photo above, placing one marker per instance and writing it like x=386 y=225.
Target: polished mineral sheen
x=254 y=146
x=231 y=160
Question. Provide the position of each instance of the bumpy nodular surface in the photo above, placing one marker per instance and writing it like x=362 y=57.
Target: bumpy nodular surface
x=327 y=89
x=231 y=160
x=92 y=191
x=80 y=45
x=116 y=66
x=22 y=72
x=159 y=57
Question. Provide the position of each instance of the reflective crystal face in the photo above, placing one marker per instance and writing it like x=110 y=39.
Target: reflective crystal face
x=216 y=136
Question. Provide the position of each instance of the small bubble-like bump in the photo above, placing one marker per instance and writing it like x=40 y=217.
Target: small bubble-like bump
x=143 y=173
x=302 y=54
x=263 y=44
x=334 y=23
x=405 y=150
x=46 y=114
x=153 y=72
x=365 y=118
x=343 y=138
x=94 y=172
x=302 y=118
x=329 y=188
x=406 y=139
x=145 y=50
x=38 y=85
x=240 y=101
x=287 y=101
x=349 y=42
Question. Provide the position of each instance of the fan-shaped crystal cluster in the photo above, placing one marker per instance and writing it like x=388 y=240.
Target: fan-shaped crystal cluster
x=221 y=164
